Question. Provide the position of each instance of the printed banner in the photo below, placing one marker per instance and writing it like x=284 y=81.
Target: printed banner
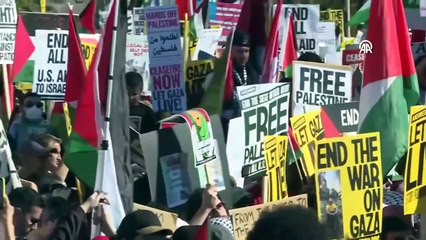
x=243 y=219
x=334 y=15
x=264 y=108
x=138 y=21
x=275 y=148
x=167 y=219
x=415 y=180
x=318 y=84
x=343 y=117
x=167 y=86
x=355 y=59
x=308 y=129
x=50 y=68
x=227 y=15
x=196 y=73
x=8 y=15
x=163 y=33
x=8 y=20
x=306 y=18
x=350 y=186
x=89 y=42
x=137 y=58
x=207 y=42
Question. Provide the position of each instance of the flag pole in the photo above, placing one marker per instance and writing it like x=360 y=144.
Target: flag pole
x=6 y=91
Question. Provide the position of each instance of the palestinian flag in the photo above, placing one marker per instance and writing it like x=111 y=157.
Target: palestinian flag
x=290 y=52
x=390 y=85
x=293 y=151
x=24 y=48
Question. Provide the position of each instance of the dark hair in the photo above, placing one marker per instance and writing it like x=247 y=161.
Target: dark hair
x=290 y=222
x=25 y=198
x=394 y=224
x=134 y=79
x=310 y=57
x=56 y=208
x=28 y=95
x=241 y=39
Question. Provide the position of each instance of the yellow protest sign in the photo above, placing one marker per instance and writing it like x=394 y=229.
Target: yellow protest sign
x=415 y=179
x=275 y=148
x=307 y=129
x=167 y=219
x=88 y=46
x=196 y=73
x=350 y=186
x=192 y=46
x=334 y=15
x=243 y=219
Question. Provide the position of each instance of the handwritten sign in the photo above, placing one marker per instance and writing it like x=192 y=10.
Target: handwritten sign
x=138 y=21
x=137 y=58
x=50 y=68
x=243 y=219
x=415 y=180
x=163 y=33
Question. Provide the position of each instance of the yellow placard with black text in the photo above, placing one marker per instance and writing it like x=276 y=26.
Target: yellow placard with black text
x=334 y=15
x=415 y=168
x=308 y=129
x=275 y=148
x=243 y=219
x=88 y=46
x=349 y=186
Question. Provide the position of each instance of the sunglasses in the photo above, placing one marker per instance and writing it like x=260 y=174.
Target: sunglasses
x=34 y=221
x=31 y=104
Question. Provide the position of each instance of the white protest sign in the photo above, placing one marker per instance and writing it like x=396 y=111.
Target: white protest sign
x=163 y=30
x=208 y=42
x=8 y=16
x=234 y=148
x=137 y=58
x=306 y=18
x=422 y=8
x=317 y=84
x=8 y=19
x=50 y=68
x=264 y=109
x=138 y=21
x=327 y=43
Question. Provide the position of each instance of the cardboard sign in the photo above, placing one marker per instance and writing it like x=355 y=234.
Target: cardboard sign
x=137 y=58
x=348 y=171
x=334 y=15
x=167 y=219
x=163 y=33
x=243 y=219
x=50 y=69
x=264 y=108
x=306 y=18
x=307 y=130
x=275 y=155
x=8 y=20
x=415 y=180
x=138 y=21
x=227 y=15
x=196 y=73
x=344 y=117
x=318 y=84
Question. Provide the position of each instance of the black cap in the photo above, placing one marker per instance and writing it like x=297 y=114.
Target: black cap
x=241 y=39
x=140 y=222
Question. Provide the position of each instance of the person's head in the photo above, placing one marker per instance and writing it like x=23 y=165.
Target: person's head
x=290 y=222
x=142 y=224
x=134 y=83
x=240 y=49
x=52 y=160
x=56 y=209
x=421 y=71
x=310 y=57
x=394 y=228
x=330 y=201
x=32 y=107
x=29 y=154
x=28 y=206
x=195 y=201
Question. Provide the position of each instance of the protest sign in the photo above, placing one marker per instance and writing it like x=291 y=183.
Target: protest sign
x=50 y=69
x=306 y=18
x=327 y=43
x=129 y=22
x=46 y=21
x=7 y=45
x=307 y=129
x=8 y=15
x=89 y=42
x=264 y=108
x=138 y=21
x=167 y=219
x=5 y=158
x=167 y=86
x=234 y=149
x=196 y=73
x=243 y=219
x=227 y=15
x=348 y=171
x=137 y=58
x=318 y=84
x=207 y=42
x=163 y=30
x=275 y=148
x=334 y=15
x=415 y=180
x=355 y=59
x=343 y=117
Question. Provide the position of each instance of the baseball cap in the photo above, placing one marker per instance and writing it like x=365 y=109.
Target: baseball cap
x=142 y=222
